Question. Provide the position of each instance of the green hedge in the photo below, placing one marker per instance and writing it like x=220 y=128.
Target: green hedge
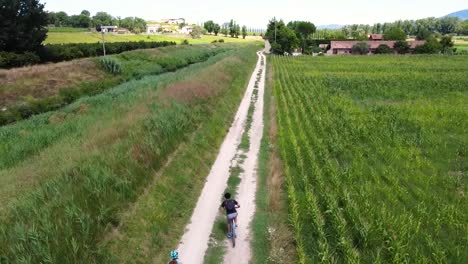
x=61 y=52
x=64 y=52
x=11 y=60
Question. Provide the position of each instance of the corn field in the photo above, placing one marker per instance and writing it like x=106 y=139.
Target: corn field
x=374 y=151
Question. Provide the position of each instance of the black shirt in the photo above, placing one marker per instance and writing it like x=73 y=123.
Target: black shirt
x=229 y=211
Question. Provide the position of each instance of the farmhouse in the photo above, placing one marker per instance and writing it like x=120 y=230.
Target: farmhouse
x=345 y=47
x=186 y=30
x=108 y=29
x=153 y=28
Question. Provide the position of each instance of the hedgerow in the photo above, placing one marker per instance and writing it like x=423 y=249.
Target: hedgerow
x=65 y=52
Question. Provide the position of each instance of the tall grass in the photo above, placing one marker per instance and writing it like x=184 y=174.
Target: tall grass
x=117 y=140
x=374 y=153
x=125 y=66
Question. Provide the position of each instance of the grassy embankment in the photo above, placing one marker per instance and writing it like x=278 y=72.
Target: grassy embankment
x=87 y=37
x=272 y=238
x=40 y=88
x=374 y=151
x=89 y=183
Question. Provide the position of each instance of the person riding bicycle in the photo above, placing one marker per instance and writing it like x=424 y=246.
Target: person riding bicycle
x=230 y=206
x=174 y=257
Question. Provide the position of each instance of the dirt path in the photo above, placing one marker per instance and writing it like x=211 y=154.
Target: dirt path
x=248 y=185
x=194 y=242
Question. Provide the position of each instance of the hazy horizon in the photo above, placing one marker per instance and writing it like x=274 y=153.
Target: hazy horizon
x=256 y=14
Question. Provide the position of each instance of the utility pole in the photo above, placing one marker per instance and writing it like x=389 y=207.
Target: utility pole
x=103 y=41
x=275 y=30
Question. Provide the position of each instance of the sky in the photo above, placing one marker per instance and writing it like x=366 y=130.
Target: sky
x=257 y=13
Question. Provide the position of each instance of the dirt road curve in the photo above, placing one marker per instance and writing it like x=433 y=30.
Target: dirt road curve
x=194 y=242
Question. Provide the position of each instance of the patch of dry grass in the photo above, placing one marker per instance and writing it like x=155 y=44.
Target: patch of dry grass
x=40 y=81
x=207 y=84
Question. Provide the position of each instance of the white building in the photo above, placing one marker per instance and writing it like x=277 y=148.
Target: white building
x=186 y=30
x=109 y=29
x=153 y=28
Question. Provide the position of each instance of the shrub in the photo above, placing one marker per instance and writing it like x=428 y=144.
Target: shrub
x=430 y=47
x=221 y=40
x=70 y=94
x=214 y=41
x=10 y=59
x=383 y=49
x=401 y=46
x=276 y=48
x=361 y=48
x=447 y=44
x=185 y=42
x=312 y=49
x=111 y=65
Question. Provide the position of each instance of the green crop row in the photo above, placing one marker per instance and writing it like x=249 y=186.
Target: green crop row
x=374 y=153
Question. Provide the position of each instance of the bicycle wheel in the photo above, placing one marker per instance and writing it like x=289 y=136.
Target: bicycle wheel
x=233 y=233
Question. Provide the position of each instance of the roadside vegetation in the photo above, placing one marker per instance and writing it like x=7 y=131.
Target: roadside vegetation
x=272 y=240
x=41 y=88
x=112 y=166
x=374 y=157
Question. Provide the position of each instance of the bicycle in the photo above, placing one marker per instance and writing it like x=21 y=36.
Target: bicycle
x=232 y=233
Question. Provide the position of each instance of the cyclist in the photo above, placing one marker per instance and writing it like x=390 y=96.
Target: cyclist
x=174 y=257
x=230 y=206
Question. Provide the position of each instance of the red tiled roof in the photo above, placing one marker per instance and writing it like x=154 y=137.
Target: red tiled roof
x=372 y=44
x=376 y=36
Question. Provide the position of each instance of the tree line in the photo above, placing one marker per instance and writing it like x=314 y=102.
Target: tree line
x=230 y=28
x=284 y=38
x=85 y=20
x=420 y=28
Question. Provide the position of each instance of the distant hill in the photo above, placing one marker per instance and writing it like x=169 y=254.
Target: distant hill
x=463 y=14
x=332 y=26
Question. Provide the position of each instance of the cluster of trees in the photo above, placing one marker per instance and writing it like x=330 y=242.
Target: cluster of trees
x=420 y=28
x=432 y=45
x=134 y=24
x=62 y=19
x=229 y=28
x=23 y=25
x=285 y=38
x=84 y=20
